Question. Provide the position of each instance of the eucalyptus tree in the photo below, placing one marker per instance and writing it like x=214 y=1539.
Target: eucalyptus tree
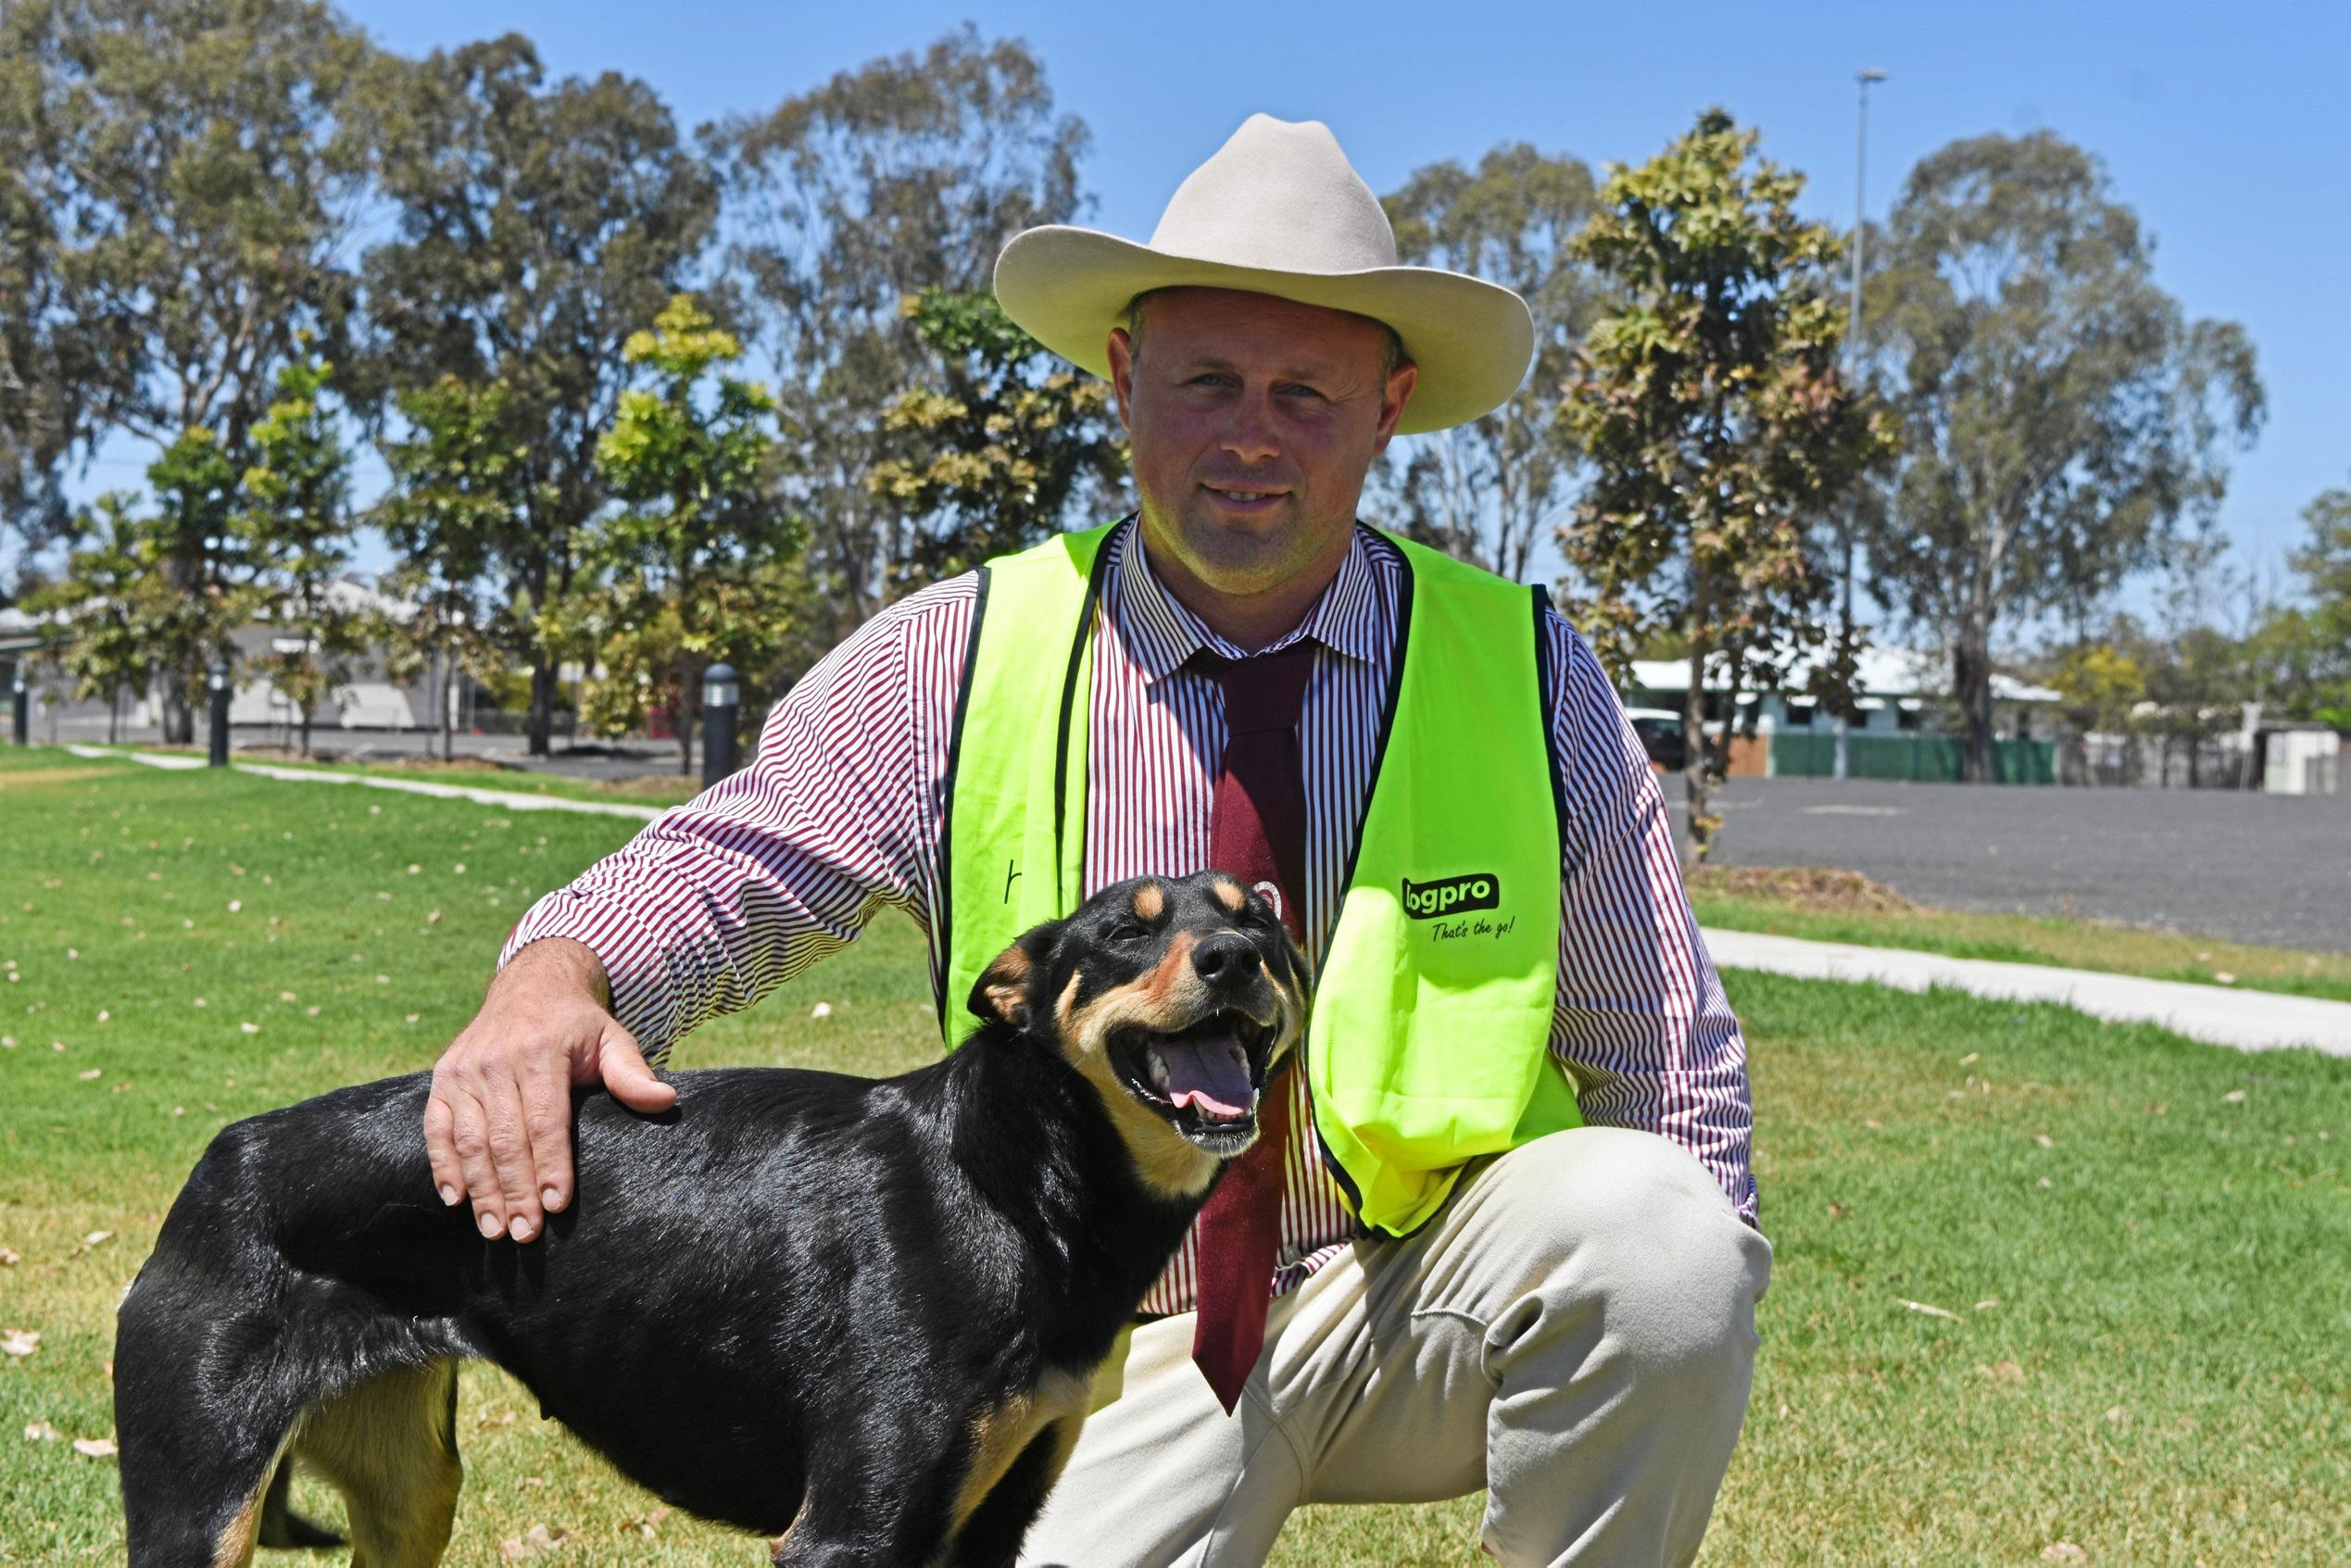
x=1491 y=490
x=297 y=517
x=905 y=174
x=538 y=224
x=2062 y=418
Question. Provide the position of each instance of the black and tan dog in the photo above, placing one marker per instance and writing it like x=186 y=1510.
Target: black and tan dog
x=861 y=1313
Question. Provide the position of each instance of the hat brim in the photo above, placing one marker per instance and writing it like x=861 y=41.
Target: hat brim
x=1473 y=341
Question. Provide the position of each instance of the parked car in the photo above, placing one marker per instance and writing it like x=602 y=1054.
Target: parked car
x=1661 y=736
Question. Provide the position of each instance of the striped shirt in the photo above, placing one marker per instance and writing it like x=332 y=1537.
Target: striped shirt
x=723 y=899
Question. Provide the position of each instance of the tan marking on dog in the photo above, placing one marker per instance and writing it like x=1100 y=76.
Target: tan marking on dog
x=1231 y=894
x=1151 y=901
x=233 y=1547
x=1001 y=1433
x=389 y=1447
x=1005 y=982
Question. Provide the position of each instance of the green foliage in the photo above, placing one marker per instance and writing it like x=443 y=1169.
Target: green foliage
x=2061 y=416
x=541 y=224
x=2101 y=686
x=461 y=487
x=2321 y=640
x=905 y=174
x=111 y=594
x=297 y=521
x=1489 y=490
x=995 y=455
x=695 y=566
x=199 y=170
x=1710 y=408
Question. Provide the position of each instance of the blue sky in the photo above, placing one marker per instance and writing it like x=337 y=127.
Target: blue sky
x=2227 y=128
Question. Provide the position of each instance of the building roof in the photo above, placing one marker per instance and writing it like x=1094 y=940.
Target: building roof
x=1880 y=673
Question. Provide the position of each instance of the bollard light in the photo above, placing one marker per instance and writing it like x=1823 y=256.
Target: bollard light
x=220 y=686
x=722 y=694
x=20 y=704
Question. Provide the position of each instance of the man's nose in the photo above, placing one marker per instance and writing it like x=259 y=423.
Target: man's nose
x=1248 y=435
x=1225 y=960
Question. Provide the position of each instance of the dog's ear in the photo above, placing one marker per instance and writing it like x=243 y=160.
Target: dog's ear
x=1001 y=991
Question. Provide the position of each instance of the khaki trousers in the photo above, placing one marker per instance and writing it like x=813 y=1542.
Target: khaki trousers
x=1575 y=1332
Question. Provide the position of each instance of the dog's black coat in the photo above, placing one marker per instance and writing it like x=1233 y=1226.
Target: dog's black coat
x=793 y=1303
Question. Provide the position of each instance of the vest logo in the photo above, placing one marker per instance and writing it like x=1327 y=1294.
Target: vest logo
x=1428 y=900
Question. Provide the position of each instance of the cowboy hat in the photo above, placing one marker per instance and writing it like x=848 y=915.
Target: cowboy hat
x=1277 y=210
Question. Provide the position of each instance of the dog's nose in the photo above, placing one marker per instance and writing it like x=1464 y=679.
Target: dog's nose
x=1226 y=959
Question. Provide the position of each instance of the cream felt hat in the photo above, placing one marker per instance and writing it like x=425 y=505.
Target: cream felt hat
x=1277 y=210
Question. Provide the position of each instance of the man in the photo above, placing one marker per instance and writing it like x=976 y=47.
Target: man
x=1498 y=1227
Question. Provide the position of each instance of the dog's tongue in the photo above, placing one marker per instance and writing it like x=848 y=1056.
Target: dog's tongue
x=1205 y=1072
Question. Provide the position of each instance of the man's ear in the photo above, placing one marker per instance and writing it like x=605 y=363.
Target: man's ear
x=1001 y=991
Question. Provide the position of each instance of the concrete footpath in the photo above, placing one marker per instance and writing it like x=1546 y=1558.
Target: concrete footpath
x=2245 y=1020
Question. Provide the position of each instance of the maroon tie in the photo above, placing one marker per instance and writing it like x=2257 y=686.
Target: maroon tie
x=1256 y=831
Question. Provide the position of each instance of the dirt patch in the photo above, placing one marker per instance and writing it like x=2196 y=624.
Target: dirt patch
x=1802 y=887
x=16 y=779
x=653 y=786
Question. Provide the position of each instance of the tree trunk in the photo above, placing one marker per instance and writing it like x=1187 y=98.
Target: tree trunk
x=304 y=710
x=1971 y=689
x=447 y=665
x=1693 y=761
x=689 y=681
x=114 y=714
x=542 y=721
x=179 y=717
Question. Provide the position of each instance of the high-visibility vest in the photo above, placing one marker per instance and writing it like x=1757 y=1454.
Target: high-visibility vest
x=1428 y=1046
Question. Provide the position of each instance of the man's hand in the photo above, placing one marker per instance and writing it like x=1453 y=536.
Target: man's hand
x=498 y=1126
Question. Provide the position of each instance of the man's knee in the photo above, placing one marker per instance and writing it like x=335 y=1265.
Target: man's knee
x=1627 y=1233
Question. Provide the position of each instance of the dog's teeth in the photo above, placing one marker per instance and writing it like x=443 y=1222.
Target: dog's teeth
x=1159 y=1070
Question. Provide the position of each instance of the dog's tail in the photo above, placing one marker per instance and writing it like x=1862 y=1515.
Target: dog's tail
x=281 y=1526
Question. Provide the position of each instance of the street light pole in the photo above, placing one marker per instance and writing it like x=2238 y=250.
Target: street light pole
x=1853 y=375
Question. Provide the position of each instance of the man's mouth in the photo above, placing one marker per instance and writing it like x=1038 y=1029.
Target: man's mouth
x=1243 y=499
x=1203 y=1079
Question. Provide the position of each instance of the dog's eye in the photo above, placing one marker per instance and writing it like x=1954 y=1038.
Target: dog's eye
x=1129 y=932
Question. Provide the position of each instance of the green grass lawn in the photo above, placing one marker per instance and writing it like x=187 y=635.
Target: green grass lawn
x=1826 y=906
x=2143 y=1244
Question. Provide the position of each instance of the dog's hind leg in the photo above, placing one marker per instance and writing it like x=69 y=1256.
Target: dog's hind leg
x=389 y=1446
x=203 y=1411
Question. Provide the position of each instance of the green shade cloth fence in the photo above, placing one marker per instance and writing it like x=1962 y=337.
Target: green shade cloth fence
x=1921 y=758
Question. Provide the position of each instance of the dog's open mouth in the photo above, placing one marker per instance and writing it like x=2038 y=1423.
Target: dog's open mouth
x=1203 y=1079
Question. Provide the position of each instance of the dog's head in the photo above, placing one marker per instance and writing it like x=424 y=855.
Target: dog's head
x=1176 y=997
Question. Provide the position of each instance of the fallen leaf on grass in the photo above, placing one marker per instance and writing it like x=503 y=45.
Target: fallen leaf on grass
x=822 y=1010
x=532 y=1542
x=235 y=905
x=39 y=1432
x=433 y=919
x=2223 y=976
x=1930 y=1310
x=2063 y=1551
x=10 y=1259
x=2044 y=1140
x=94 y=1073
x=94 y=1238
x=2234 y=1097
x=2003 y=1372
x=286 y=997
x=1838 y=1211
x=95 y=1448
x=1987 y=1303
x=2044 y=1182
x=1971 y=1058
x=644 y=1526
x=250 y=1028
x=20 y=1341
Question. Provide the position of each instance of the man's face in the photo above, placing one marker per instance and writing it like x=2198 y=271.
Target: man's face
x=1254 y=421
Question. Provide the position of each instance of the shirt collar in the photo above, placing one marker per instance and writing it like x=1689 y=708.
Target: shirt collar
x=1160 y=634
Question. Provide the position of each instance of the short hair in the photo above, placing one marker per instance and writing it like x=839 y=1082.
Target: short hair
x=1391 y=348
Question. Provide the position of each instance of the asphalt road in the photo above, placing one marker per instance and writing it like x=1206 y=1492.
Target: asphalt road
x=2257 y=867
